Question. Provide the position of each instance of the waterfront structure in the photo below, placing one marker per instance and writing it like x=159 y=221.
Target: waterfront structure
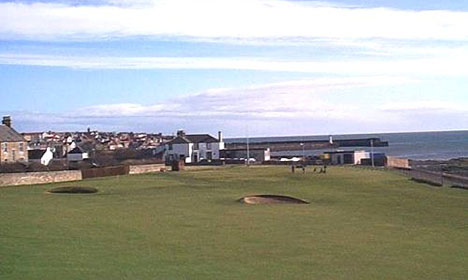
x=256 y=154
x=193 y=148
x=347 y=157
x=13 y=147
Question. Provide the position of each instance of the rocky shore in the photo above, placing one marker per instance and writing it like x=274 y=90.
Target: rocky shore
x=457 y=166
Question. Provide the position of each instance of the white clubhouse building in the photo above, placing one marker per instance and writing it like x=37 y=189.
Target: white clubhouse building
x=194 y=148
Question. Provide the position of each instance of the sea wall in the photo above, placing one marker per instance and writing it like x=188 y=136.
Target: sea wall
x=32 y=178
x=146 y=168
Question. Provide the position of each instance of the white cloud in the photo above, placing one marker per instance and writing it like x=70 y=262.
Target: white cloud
x=287 y=100
x=444 y=66
x=425 y=106
x=292 y=107
x=211 y=19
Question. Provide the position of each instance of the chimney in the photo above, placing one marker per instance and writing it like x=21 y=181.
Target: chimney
x=220 y=136
x=6 y=121
x=180 y=133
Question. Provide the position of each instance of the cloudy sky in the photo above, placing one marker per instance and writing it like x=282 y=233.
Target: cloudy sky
x=269 y=67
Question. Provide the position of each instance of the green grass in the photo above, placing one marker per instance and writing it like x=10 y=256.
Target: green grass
x=360 y=224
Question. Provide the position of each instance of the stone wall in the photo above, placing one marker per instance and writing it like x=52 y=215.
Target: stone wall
x=398 y=162
x=105 y=171
x=31 y=178
x=147 y=168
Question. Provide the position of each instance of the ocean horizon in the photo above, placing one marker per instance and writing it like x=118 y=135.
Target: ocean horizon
x=431 y=145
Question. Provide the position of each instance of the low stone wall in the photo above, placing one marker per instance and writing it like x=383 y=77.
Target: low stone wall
x=146 y=168
x=105 y=171
x=31 y=178
x=398 y=162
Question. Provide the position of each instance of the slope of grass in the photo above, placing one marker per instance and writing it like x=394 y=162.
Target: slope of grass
x=360 y=224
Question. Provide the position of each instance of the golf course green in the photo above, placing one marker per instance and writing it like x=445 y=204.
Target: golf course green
x=359 y=224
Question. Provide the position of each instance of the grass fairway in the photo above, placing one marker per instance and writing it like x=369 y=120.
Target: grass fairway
x=360 y=224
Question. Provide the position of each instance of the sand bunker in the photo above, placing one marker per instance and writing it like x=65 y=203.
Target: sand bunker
x=73 y=190
x=271 y=199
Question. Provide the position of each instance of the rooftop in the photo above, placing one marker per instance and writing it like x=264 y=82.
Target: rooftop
x=8 y=134
x=194 y=138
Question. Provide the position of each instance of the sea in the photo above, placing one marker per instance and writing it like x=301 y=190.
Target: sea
x=439 y=145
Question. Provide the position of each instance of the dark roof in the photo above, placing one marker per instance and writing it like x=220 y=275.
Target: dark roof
x=36 y=154
x=76 y=150
x=194 y=138
x=8 y=134
x=339 y=152
x=243 y=149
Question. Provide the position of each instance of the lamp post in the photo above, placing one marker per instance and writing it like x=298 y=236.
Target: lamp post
x=248 y=150
x=303 y=152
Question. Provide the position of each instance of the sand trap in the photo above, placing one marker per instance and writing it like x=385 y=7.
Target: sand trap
x=271 y=199
x=74 y=190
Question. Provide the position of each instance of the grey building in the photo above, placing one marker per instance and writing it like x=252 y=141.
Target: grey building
x=13 y=147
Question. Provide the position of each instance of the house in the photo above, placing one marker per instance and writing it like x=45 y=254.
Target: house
x=47 y=157
x=33 y=137
x=13 y=147
x=193 y=148
x=77 y=154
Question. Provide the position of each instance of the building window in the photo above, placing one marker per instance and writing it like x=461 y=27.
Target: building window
x=170 y=147
x=208 y=146
x=4 y=147
x=21 y=147
x=195 y=146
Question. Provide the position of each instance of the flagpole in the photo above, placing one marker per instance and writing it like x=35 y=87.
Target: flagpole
x=248 y=151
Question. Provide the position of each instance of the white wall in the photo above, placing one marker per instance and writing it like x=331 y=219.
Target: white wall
x=47 y=157
x=184 y=149
x=188 y=158
x=214 y=149
x=267 y=154
x=188 y=151
x=359 y=155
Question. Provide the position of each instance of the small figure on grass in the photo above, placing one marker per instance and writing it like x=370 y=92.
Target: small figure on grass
x=323 y=170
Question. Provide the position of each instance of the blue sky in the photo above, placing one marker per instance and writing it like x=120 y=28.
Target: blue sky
x=271 y=67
